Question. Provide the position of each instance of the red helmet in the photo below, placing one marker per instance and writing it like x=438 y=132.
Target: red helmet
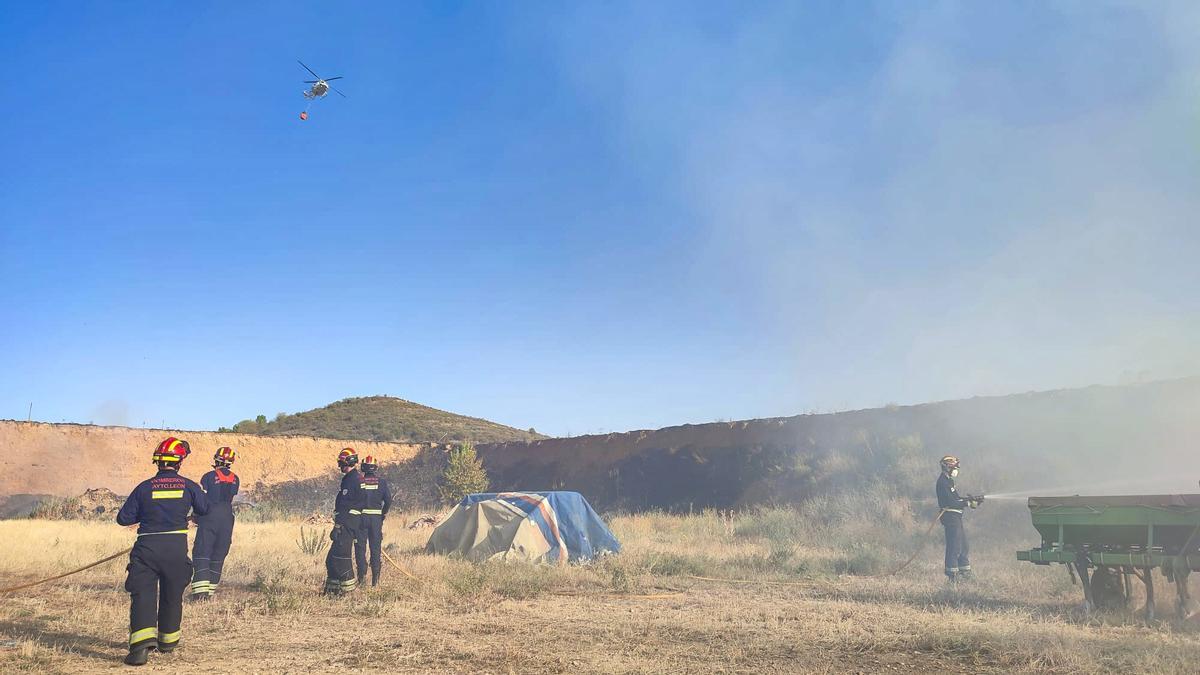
x=171 y=452
x=347 y=457
x=224 y=456
x=369 y=464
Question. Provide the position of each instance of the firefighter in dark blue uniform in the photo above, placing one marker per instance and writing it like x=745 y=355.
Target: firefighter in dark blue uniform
x=347 y=520
x=214 y=532
x=159 y=569
x=377 y=499
x=958 y=562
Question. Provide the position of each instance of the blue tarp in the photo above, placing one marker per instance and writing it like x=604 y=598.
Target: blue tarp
x=565 y=519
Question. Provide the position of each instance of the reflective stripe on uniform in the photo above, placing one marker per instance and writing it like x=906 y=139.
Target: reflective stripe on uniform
x=369 y=486
x=952 y=510
x=147 y=534
x=373 y=512
x=336 y=586
x=355 y=512
x=166 y=494
x=168 y=638
x=141 y=634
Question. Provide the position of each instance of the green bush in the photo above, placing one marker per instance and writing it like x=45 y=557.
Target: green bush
x=464 y=475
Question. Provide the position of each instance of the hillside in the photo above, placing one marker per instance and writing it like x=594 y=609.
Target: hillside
x=1115 y=439
x=64 y=460
x=384 y=418
x=1136 y=438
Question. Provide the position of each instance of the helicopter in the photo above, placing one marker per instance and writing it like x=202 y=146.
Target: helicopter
x=319 y=89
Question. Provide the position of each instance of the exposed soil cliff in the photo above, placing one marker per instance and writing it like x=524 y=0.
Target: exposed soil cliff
x=65 y=460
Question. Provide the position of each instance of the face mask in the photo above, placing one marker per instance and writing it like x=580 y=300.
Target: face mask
x=954 y=473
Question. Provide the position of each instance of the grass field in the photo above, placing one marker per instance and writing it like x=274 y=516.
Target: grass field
x=641 y=611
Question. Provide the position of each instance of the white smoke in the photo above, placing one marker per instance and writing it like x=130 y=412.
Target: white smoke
x=965 y=218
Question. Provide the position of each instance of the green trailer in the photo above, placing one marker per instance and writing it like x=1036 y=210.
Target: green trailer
x=1109 y=541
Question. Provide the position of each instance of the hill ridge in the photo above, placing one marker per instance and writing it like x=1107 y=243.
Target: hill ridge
x=1091 y=434
x=384 y=419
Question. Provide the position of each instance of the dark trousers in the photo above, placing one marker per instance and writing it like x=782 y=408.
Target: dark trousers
x=339 y=564
x=372 y=537
x=213 y=538
x=159 y=571
x=956 y=544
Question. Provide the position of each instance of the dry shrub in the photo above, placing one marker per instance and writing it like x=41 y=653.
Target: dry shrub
x=778 y=525
x=465 y=581
x=517 y=581
x=676 y=564
x=312 y=542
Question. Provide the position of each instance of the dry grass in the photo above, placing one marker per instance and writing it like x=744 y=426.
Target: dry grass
x=459 y=617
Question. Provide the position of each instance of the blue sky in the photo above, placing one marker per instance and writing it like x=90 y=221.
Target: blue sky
x=595 y=217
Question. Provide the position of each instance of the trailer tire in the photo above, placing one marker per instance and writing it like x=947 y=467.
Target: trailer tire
x=1108 y=589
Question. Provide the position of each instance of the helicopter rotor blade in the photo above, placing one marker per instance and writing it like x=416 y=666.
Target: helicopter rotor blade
x=339 y=92
x=311 y=81
x=331 y=79
x=308 y=69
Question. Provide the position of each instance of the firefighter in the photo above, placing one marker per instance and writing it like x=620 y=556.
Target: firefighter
x=159 y=568
x=214 y=532
x=347 y=517
x=958 y=564
x=377 y=499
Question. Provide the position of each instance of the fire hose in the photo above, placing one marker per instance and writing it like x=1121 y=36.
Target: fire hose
x=396 y=565
x=937 y=519
x=114 y=556
x=65 y=574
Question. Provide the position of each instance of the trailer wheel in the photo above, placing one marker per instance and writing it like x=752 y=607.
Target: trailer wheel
x=1183 y=602
x=1108 y=589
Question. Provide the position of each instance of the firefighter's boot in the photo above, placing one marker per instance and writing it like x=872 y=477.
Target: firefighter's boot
x=137 y=657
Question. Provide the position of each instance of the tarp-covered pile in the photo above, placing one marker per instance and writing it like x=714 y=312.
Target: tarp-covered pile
x=555 y=527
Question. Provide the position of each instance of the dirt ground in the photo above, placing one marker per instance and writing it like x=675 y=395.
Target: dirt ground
x=641 y=611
